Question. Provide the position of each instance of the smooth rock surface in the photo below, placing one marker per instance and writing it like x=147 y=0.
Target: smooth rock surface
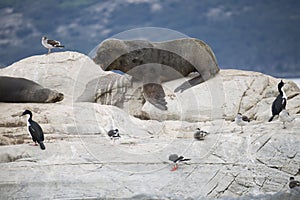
x=87 y=164
x=67 y=72
x=223 y=96
x=229 y=92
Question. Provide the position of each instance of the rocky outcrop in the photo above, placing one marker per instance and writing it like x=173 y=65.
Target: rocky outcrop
x=225 y=164
x=82 y=162
x=229 y=92
x=66 y=72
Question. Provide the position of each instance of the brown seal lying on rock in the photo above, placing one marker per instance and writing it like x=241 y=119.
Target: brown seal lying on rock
x=21 y=90
x=154 y=62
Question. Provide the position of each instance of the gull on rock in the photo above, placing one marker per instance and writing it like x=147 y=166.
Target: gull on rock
x=50 y=44
x=241 y=120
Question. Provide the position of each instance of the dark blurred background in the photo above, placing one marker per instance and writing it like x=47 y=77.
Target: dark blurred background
x=258 y=35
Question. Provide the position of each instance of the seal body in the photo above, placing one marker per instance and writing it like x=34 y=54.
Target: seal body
x=156 y=62
x=21 y=90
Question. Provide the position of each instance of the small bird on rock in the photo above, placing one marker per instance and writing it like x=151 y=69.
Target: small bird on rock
x=177 y=159
x=50 y=44
x=293 y=183
x=200 y=135
x=114 y=134
x=241 y=121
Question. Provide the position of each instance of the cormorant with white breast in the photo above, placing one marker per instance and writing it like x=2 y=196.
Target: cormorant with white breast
x=34 y=130
x=50 y=44
x=280 y=102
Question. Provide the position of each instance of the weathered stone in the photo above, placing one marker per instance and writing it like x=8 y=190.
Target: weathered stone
x=229 y=92
x=82 y=162
x=66 y=72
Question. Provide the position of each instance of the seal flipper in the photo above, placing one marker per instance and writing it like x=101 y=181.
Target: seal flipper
x=190 y=83
x=154 y=94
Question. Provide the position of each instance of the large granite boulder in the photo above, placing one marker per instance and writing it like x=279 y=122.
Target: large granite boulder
x=82 y=162
x=66 y=72
x=221 y=97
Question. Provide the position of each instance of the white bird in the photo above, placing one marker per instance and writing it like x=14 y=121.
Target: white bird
x=241 y=121
x=284 y=116
x=200 y=135
x=50 y=44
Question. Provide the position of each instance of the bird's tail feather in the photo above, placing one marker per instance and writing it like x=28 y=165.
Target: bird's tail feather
x=271 y=118
x=42 y=146
x=186 y=159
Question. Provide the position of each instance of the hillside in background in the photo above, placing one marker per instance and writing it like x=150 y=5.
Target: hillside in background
x=254 y=35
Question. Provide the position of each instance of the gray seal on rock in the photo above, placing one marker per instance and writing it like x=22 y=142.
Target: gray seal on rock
x=154 y=62
x=21 y=90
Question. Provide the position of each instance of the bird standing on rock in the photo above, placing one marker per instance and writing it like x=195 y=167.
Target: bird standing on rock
x=50 y=44
x=280 y=102
x=200 y=135
x=177 y=159
x=241 y=120
x=114 y=134
x=34 y=130
x=293 y=183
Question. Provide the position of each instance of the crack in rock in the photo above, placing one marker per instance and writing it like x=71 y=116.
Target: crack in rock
x=228 y=186
x=264 y=144
x=244 y=94
x=191 y=172
x=270 y=166
x=255 y=181
x=212 y=189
